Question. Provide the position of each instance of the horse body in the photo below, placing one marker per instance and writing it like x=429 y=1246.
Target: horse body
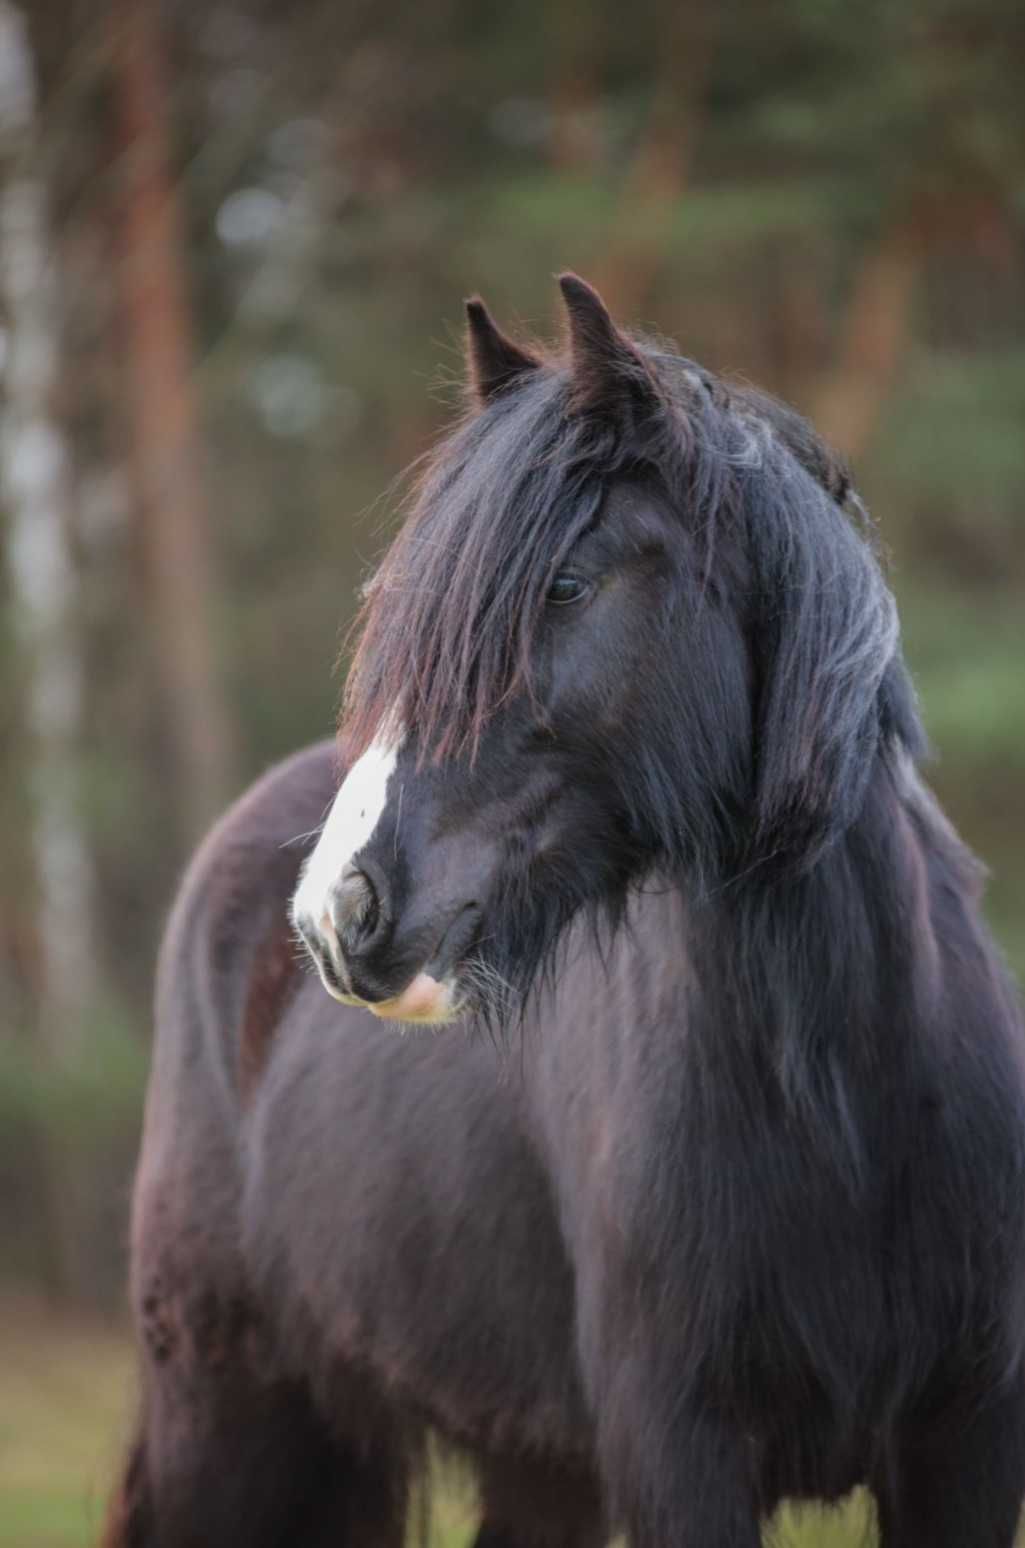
x=732 y=1207
x=284 y=1398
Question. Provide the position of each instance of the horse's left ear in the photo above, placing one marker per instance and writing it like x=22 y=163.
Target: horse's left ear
x=494 y=361
x=611 y=377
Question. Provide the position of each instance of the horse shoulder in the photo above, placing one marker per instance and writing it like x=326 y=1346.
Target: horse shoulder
x=219 y=989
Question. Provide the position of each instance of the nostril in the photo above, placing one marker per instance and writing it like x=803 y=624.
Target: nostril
x=355 y=909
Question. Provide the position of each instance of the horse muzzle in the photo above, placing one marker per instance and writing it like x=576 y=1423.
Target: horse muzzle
x=364 y=958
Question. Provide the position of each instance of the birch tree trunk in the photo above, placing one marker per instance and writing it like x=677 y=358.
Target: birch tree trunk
x=34 y=468
x=35 y=473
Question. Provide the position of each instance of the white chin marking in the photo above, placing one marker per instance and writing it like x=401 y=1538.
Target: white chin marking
x=423 y=1000
x=354 y=815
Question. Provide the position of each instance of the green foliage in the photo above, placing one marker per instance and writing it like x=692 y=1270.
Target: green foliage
x=68 y=1134
x=951 y=454
x=86 y=1097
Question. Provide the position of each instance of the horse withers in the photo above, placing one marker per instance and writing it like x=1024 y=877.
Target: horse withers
x=724 y=1202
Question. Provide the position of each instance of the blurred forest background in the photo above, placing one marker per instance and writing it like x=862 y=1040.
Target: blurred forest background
x=234 y=239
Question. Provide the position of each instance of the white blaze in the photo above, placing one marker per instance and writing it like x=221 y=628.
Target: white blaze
x=355 y=813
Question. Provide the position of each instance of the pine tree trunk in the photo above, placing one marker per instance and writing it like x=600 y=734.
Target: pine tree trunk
x=177 y=545
x=875 y=334
x=660 y=171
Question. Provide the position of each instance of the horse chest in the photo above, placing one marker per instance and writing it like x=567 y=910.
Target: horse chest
x=798 y=1288
x=769 y=1268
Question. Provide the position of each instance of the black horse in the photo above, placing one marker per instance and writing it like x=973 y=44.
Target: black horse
x=727 y=1203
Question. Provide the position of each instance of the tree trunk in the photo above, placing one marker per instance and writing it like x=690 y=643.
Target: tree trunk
x=875 y=334
x=35 y=473
x=35 y=470
x=163 y=418
x=661 y=167
x=574 y=90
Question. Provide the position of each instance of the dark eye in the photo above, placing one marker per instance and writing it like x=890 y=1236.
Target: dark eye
x=567 y=587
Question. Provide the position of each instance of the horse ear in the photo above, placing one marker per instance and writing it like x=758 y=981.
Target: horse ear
x=494 y=361
x=610 y=374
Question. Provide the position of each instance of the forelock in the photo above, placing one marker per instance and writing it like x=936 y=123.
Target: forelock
x=445 y=630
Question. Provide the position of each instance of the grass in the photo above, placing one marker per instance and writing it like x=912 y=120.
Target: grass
x=65 y=1401
x=66 y=1394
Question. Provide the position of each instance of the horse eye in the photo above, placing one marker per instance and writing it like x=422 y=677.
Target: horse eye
x=567 y=587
